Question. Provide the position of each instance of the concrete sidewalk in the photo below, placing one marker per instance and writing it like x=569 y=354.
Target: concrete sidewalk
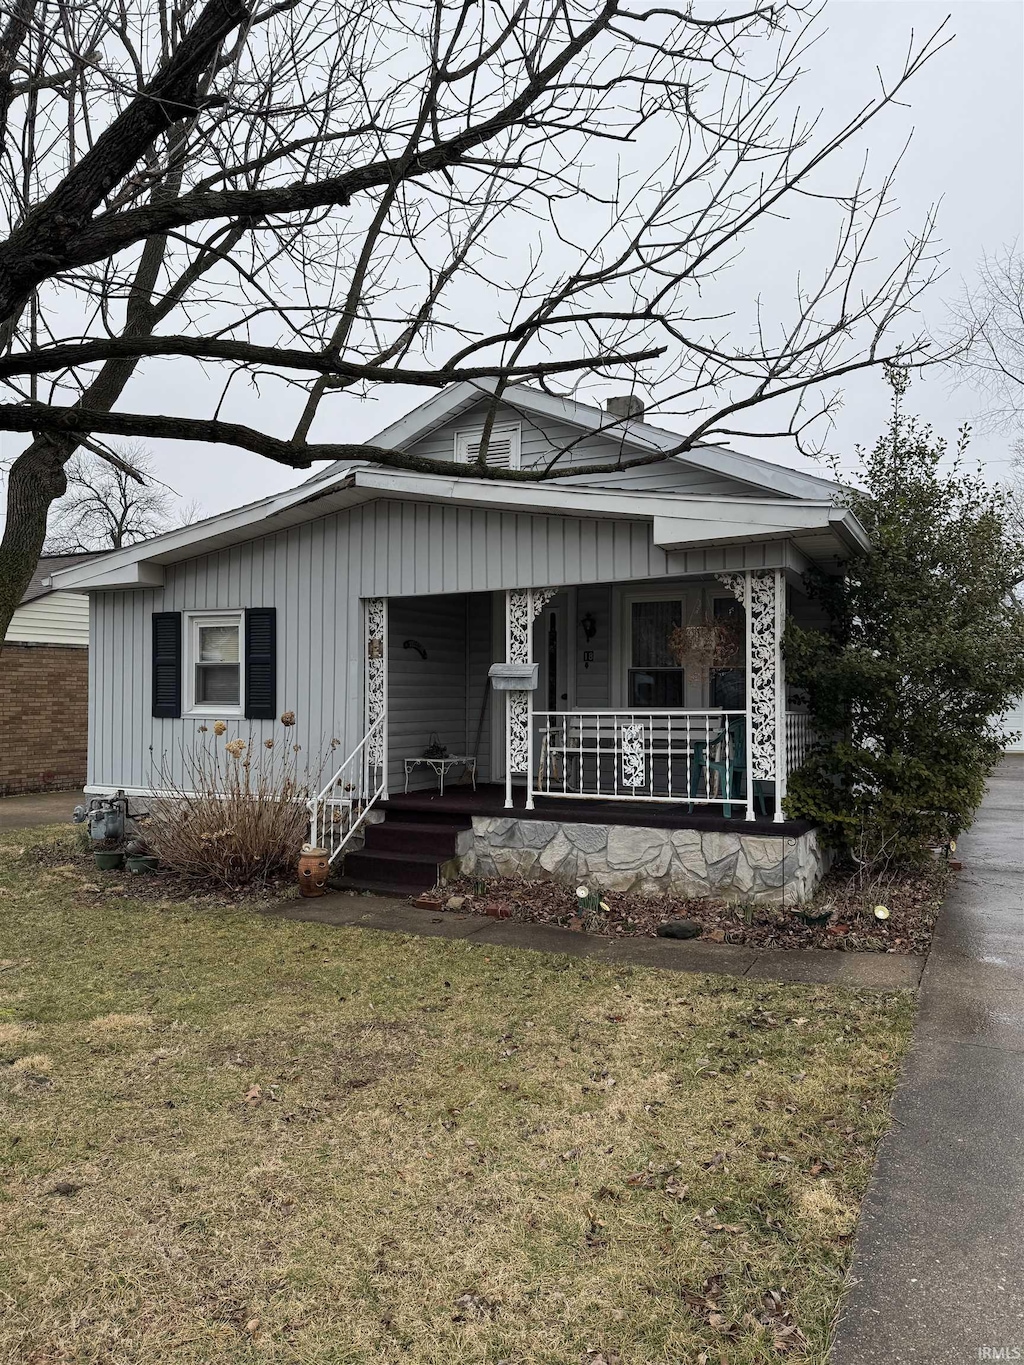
x=41 y=808
x=812 y=966
x=938 y=1269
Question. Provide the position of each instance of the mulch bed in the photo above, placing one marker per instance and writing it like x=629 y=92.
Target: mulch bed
x=161 y=885
x=841 y=916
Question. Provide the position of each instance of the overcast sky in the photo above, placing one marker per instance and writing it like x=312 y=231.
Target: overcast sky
x=966 y=112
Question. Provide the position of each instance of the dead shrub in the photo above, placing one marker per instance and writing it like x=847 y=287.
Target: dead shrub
x=238 y=815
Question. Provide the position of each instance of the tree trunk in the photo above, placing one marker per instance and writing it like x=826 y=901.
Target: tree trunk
x=36 y=480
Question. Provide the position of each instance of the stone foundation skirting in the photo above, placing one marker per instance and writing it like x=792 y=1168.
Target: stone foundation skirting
x=652 y=862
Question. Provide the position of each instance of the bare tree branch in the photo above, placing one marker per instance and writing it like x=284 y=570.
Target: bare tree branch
x=323 y=198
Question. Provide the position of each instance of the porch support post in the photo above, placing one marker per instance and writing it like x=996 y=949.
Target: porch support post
x=767 y=693
x=375 y=692
x=748 y=617
x=521 y=608
x=763 y=594
x=781 y=756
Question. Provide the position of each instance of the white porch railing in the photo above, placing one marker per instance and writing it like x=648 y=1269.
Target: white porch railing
x=340 y=809
x=693 y=756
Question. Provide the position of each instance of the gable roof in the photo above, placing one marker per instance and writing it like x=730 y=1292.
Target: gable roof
x=818 y=524
x=638 y=438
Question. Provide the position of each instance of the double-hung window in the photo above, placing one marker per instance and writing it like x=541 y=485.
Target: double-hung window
x=656 y=676
x=214 y=663
x=727 y=681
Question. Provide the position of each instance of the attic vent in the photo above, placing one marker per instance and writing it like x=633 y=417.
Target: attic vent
x=502 y=449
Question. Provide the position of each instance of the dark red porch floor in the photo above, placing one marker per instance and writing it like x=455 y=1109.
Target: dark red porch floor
x=489 y=799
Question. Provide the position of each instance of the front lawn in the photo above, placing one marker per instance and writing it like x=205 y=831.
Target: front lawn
x=229 y=1137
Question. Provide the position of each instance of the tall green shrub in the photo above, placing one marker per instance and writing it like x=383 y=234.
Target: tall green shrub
x=924 y=651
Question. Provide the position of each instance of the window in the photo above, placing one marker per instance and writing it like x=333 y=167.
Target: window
x=656 y=677
x=728 y=682
x=214 y=665
x=503 y=448
x=728 y=689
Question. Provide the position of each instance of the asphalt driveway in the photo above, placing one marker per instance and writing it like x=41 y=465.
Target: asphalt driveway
x=42 y=808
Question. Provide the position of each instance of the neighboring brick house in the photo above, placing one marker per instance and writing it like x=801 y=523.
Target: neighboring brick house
x=44 y=687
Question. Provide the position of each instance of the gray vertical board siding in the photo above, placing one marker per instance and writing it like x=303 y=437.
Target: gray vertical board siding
x=425 y=696
x=541 y=439
x=593 y=687
x=481 y=652
x=316 y=575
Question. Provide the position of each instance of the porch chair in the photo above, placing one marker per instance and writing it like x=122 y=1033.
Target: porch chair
x=730 y=768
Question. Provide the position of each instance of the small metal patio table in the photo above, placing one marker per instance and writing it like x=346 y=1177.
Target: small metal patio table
x=441 y=767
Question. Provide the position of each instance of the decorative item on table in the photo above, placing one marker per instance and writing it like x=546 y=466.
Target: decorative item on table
x=435 y=749
x=314 y=867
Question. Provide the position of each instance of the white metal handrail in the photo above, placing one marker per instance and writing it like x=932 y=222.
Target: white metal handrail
x=341 y=808
x=662 y=755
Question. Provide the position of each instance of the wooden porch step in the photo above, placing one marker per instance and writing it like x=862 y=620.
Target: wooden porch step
x=414 y=836
x=403 y=854
x=428 y=809
x=341 y=883
x=401 y=871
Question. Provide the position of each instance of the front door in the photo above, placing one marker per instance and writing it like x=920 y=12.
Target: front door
x=551 y=650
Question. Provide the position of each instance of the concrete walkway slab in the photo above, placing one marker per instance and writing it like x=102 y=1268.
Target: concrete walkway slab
x=810 y=966
x=938 y=1268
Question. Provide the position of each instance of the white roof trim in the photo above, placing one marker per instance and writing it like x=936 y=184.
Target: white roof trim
x=675 y=516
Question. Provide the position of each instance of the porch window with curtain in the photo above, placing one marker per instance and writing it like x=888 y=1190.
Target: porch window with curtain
x=727 y=681
x=656 y=677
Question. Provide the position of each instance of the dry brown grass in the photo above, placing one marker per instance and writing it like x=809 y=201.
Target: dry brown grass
x=341 y=1147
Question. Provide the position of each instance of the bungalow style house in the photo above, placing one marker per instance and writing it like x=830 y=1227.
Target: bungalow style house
x=580 y=678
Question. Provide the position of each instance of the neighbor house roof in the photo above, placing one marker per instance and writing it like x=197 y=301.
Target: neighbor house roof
x=39 y=584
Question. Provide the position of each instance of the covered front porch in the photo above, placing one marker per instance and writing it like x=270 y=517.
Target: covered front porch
x=657 y=704
x=646 y=693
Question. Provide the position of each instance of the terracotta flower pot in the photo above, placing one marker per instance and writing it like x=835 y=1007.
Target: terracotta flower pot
x=313 y=870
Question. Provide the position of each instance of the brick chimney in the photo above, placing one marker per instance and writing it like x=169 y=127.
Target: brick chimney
x=625 y=405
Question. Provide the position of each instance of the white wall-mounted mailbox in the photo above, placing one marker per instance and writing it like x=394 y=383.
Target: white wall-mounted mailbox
x=513 y=677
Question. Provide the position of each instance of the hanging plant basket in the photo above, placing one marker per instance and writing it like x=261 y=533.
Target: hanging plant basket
x=704 y=643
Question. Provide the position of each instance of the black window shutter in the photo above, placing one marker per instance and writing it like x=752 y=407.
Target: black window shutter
x=261 y=663
x=167 y=663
